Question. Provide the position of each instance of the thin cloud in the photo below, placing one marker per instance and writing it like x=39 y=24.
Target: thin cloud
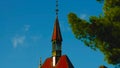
x=26 y=27
x=20 y=37
x=35 y=38
x=64 y=26
x=18 y=40
x=83 y=16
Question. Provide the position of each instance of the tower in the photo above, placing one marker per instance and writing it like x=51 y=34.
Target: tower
x=56 y=42
x=57 y=60
x=56 y=39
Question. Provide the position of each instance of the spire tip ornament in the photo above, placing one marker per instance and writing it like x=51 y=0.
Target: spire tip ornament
x=57 y=7
x=40 y=62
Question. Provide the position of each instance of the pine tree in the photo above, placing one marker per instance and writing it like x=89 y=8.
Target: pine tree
x=102 y=32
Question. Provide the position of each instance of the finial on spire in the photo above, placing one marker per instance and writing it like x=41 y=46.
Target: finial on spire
x=40 y=62
x=57 y=7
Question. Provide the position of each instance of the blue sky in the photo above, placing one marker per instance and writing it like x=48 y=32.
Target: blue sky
x=26 y=29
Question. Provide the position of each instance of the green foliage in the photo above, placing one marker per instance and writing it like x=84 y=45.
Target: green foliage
x=101 y=32
x=100 y=0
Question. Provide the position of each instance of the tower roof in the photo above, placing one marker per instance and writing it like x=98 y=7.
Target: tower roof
x=63 y=62
x=56 y=31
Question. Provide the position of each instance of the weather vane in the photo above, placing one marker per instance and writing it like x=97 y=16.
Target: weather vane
x=57 y=7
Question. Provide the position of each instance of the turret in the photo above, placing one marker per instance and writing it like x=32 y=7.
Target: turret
x=56 y=42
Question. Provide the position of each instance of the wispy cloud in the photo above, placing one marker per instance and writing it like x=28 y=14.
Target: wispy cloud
x=64 y=26
x=35 y=38
x=18 y=40
x=26 y=27
x=23 y=37
x=20 y=36
x=83 y=16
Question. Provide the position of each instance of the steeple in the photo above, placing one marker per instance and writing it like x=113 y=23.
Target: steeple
x=57 y=60
x=56 y=32
x=56 y=39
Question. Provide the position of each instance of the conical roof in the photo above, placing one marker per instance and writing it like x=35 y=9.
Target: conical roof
x=56 y=31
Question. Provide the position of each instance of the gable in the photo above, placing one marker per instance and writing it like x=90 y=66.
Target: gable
x=47 y=63
x=63 y=62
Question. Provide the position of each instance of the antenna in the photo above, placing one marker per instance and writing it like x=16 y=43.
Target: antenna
x=57 y=7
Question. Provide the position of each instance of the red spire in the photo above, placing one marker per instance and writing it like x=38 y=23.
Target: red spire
x=56 y=32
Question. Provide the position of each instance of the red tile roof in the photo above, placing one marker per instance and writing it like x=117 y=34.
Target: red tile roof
x=56 y=32
x=47 y=63
x=63 y=62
